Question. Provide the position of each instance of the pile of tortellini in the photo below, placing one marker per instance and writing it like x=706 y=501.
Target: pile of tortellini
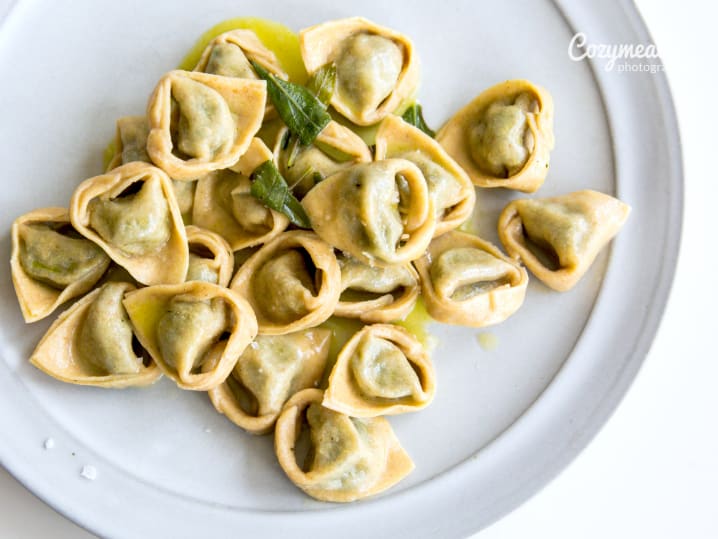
x=182 y=270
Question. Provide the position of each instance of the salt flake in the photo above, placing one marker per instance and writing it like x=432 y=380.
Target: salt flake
x=89 y=472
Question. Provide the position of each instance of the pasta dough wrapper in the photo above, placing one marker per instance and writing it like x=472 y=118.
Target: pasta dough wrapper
x=292 y=283
x=467 y=281
x=91 y=343
x=379 y=212
x=210 y=257
x=382 y=370
x=504 y=136
x=376 y=294
x=271 y=370
x=48 y=265
x=132 y=214
x=449 y=186
x=350 y=458
x=200 y=122
x=558 y=238
x=224 y=204
x=188 y=325
x=377 y=69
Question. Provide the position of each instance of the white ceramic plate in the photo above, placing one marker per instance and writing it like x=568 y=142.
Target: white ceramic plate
x=504 y=421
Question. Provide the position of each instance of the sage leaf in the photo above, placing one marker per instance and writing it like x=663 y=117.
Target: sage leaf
x=299 y=108
x=323 y=82
x=270 y=188
x=415 y=117
x=293 y=149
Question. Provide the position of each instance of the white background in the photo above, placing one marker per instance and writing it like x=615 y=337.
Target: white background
x=653 y=469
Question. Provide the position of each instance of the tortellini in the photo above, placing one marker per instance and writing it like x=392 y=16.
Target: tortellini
x=449 y=186
x=558 y=238
x=200 y=122
x=377 y=70
x=467 y=281
x=350 y=458
x=187 y=326
x=132 y=214
x=131 y=145
x=383 y=369
x=130 y=141
x=223 y=203
x=92 y=343
x=51 y=263
x=230 y=53
x=210 y=257
x=503 y=138
x=379 y=212
x=335 y=148
x=271 y=370
x=292 y=283
x=376 y=294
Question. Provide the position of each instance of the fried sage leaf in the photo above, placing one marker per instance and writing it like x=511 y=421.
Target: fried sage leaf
x=415 y=116
x=323 y=83
x=272 y=190
x=299 y=108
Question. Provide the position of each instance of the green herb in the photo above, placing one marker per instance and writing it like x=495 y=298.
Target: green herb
x=299 y=108
x=323 y=82
x=271 y=189
x=293 y=148
x=415 y=117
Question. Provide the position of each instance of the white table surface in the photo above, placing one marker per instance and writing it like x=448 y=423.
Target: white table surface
x=653 y=469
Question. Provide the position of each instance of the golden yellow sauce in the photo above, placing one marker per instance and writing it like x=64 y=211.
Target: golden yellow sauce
x=275 y=36
x=109 y=154
x=488 y=341
x=416 y=323
x=368 y=132
x=147 y=317
x=342 y=330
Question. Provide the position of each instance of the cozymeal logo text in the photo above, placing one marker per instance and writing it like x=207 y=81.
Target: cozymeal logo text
x=617 y=55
